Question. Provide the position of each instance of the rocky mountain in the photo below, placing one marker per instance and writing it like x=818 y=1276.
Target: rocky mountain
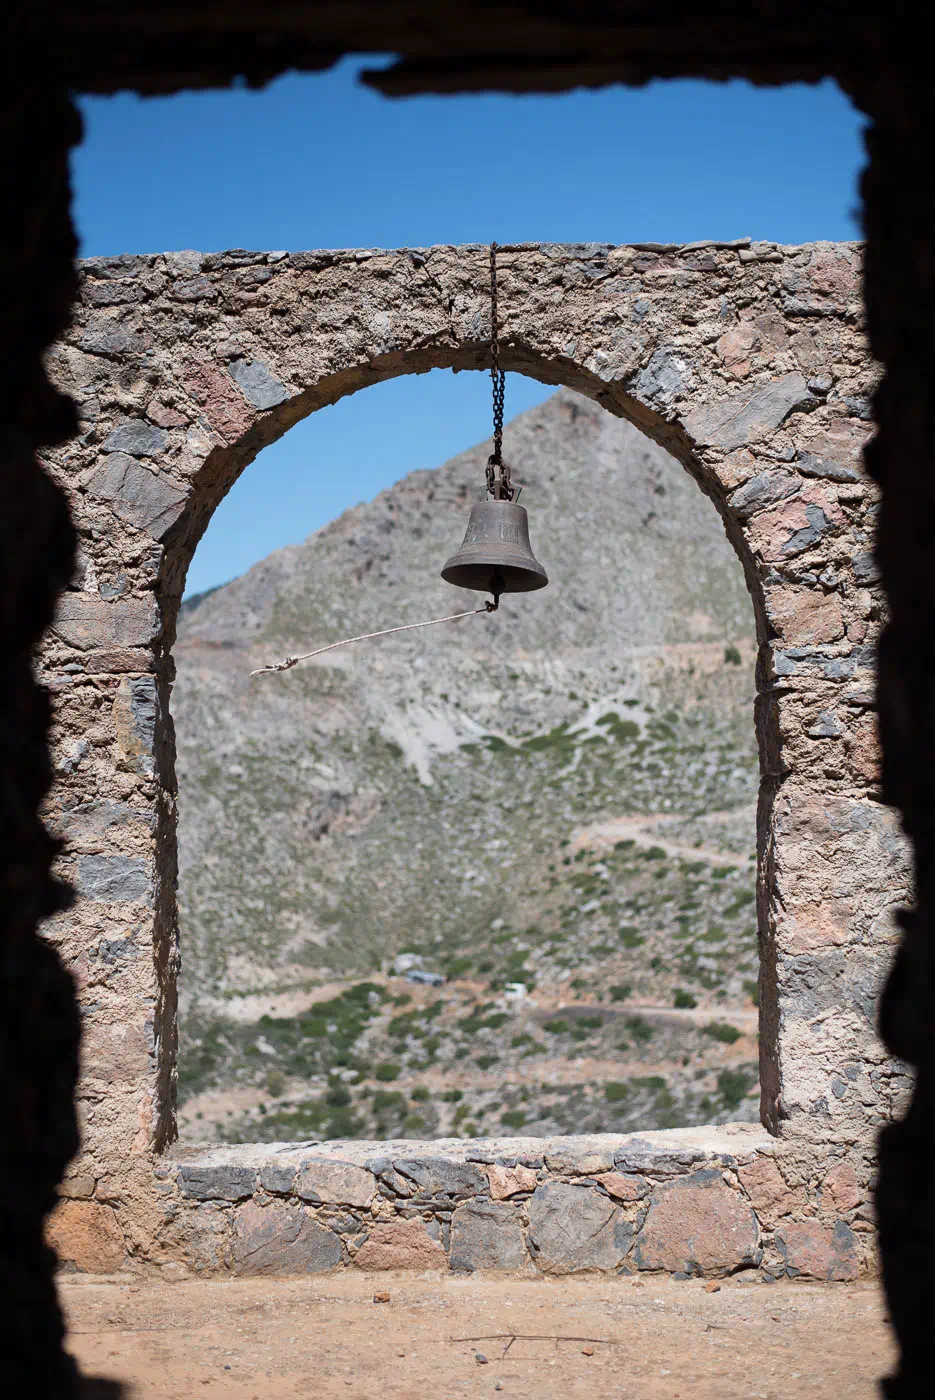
x=551 y=807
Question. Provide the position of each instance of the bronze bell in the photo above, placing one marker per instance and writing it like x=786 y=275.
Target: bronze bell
x=495 y=555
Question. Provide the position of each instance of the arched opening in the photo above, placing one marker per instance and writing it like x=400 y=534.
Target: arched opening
x=774 y=441
x=552 y=811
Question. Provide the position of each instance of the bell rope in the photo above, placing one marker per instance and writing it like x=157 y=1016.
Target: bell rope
x=289 y=661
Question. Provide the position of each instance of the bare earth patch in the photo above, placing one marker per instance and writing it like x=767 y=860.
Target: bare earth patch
x=328 y=1337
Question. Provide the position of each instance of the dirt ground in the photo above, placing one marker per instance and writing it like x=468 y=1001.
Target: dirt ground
x=325 y=1337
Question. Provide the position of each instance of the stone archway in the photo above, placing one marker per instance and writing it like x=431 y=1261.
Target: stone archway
x=748 y=363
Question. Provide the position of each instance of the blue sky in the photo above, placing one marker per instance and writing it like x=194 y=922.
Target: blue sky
x=318 y=161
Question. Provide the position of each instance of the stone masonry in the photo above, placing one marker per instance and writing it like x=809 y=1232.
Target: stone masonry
x=748 y=362
x=690 y=1202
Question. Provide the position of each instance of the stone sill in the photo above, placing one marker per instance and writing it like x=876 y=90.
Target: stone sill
x=664 y=1152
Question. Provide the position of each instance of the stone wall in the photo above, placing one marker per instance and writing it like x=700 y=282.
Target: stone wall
x=747 y=361
x=688 y=1202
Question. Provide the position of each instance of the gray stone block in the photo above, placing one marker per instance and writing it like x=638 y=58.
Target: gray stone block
x=824 y=467
x=817 y=527
x=826 y=726
x=437 y=1176
x=89 y=820
x=573 y=1228
x=866 y=569
x=193 y=289
x=282 y=1239
x=579 y=1158
x=184 y=262
x=783 y=664
x=642 y=1155
x=810 y=306
x=117 y=266
x=668 y=373
x=115 y=879
x=743 y=417
x=137 y=438
x=860 y=406
x=486 y=1235
x=114 y=293
x=763 y=490
x=136 y=495
x=144 y=706
x=106 y=337
x=236 y=257
x=222 y=1183
x=257 y=384
x=277 y=1178
x=91 y=624
x=337 y=1183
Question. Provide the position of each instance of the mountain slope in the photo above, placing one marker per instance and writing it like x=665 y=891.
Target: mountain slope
x=450 y=791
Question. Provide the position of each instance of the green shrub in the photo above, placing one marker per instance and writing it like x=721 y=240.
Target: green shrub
x=486 y=1061
x=513 y=1118
x=590 y=1023
x=722 y=1030
x=557 y=1026
x=275 y=1083
x=386 y=1072
x=420 y=1094
x=343 y=1124
x=402 y=1025
x=732 y=656
x=452 y=1096
x=641 y=1030
x=752 y=989
x=732 y=1085
x=385 y=1099
x=615 y=1091
x=629 y=936
x=683 y=1001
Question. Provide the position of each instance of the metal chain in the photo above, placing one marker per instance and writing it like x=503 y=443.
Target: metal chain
x=502 y=489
